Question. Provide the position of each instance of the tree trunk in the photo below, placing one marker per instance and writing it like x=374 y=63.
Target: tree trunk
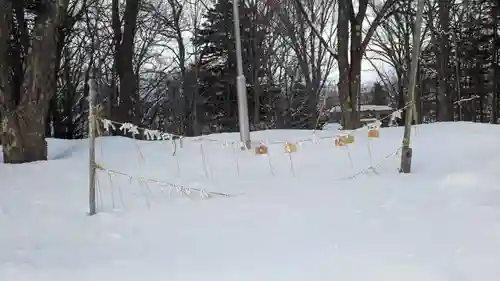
x=126 y=101
x=343 y=62
x=183 y=106
x=256 y=57
x=355 y=70
x=496 y=67
x=350 y=74
x=444 y=90
x=6 y=87
x=24 y=117
x=418 y=99
x=129 y=98
x=24 y=137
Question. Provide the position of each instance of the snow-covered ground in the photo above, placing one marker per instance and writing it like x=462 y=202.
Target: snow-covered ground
x=328 y=218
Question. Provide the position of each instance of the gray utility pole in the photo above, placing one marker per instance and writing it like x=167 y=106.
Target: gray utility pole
x=406 y=152
x=241 y=87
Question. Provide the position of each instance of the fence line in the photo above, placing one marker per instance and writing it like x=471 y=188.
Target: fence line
x=372 y=168
x=134 y=130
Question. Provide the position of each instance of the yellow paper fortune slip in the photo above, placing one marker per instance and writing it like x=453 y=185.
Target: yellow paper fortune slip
x=349 y=139
x=343 y=140
x=261 y=150
x=290 y=147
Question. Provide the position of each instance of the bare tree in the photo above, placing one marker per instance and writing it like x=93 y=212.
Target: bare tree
x=351 y=48
x=312 y=56
x=180 y=97
x=392 y=45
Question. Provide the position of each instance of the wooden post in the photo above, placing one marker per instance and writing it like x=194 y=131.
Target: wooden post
x=91 y=136
x=406 y=154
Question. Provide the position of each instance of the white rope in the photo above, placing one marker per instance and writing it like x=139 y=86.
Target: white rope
x=159 y=135
x=184 y=190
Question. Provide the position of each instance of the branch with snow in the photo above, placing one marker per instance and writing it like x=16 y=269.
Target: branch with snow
x=461 y=101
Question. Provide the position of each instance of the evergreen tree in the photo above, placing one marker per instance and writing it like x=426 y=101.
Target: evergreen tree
x=217 y=75
x=472 y=44
x=379 y=94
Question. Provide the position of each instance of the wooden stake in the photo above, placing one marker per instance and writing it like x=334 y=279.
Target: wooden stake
x=369 y=151
x=292 y=167
x=204 y=160
x=235 y=156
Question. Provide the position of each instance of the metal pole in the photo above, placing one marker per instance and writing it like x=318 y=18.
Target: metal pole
x=240 y=83
x=406 y=149
x=92 y=131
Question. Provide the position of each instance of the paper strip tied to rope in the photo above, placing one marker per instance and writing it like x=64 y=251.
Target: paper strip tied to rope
x=134 y=130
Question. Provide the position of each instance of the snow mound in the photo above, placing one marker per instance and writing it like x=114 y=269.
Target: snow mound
x=322 y=213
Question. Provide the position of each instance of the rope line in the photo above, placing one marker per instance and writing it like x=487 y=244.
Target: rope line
x=184 y=190
x=159 y=135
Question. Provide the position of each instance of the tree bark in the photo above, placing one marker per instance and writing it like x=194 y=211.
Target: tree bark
x=24 y=136
x=355 y=69
x=496 y=67
x=126 y=101
x=343 y=62
x=5 y=83
x=443 y=57
x=24 y=117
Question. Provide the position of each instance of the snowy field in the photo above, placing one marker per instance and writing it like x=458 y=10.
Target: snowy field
x=320 y=215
